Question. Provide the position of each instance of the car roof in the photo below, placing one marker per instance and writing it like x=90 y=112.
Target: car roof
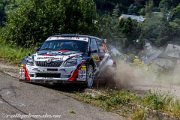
x=85 y=37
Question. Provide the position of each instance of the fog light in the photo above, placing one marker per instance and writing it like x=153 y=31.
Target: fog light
x=22 y=76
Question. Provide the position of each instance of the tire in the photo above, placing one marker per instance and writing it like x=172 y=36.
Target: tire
x=90 y=77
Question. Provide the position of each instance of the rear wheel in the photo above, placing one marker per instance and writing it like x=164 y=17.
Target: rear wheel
x=90 y=76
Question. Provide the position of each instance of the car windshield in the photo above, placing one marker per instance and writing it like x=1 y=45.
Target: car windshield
x=71 y=45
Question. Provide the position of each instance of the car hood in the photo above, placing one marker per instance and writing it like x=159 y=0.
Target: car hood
x=56 y=55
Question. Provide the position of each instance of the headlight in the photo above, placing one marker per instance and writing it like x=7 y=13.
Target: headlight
x=30 y=61
x=71 y=62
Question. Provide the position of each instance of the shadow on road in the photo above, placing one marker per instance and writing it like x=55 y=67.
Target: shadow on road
x=70 y=87
x=79 y=87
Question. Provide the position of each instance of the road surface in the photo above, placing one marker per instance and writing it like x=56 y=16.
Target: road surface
x=19 y=100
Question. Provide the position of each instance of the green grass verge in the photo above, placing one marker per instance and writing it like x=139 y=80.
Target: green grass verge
x=12 y=53
x=152 y=105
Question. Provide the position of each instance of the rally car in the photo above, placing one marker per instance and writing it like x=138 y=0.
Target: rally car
x=67 y=58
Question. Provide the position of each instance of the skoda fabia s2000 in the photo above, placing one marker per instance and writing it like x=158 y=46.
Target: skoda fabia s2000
x=67 y=58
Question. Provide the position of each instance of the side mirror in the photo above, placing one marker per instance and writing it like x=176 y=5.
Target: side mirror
x=94 y=51
x=36 y=49
x=39 y=46
x=91 y=51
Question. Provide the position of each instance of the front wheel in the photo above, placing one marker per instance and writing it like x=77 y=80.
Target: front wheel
x=90 y=76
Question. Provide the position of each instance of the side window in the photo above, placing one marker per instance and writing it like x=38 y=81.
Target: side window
x=102 y=46
x=94 y=44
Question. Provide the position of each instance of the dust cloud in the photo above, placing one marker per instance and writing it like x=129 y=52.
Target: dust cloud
x=137 y=78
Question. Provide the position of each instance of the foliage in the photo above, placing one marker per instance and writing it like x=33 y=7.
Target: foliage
x=13 y=54
x=34 y=20
x=3 y=5
x=176 y=12
x=111 y=99
x=139 y=114
x=30 y=22
x=149 y=8
x=162 y=102
x=107 y=6
x=131 y=30
x=122 y=33
x=108 y=28
x=154 y=101
x=159 y=27
x=136 y=107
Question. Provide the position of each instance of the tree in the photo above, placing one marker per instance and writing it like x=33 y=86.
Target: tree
x=149 y=8
x=107 y=6
x=116 y=11
x=33 y=21
x=176 y=12
x=166 y=5
x=131 y=30
x=5 y=6
x=162 y=27
x=79 y=16
x=109 y=29
x=133 y=9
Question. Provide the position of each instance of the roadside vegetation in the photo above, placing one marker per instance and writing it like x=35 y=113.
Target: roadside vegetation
x=152 y=105
x=12 y=53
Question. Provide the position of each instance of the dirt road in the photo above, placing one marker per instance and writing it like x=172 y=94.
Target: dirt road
x=17 y=99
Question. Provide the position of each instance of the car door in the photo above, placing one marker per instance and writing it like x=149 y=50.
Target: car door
x=94 y=52
x=103 y=53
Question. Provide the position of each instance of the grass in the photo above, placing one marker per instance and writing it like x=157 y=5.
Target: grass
x=162 y=102
x=127 y=103
x=11 y=53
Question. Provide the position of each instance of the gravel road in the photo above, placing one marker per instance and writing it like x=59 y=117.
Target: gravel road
x=18 y=99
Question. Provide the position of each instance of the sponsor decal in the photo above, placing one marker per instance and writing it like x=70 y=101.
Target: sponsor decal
x=83 y=67
x=95 y=57
x=47 y=55
x=69 y=38
x=42 y=58
x=64 y=51
x=26 y=73
x=76 y=72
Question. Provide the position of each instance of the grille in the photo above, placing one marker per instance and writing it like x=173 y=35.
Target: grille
x=46 y=64
x=48 y=75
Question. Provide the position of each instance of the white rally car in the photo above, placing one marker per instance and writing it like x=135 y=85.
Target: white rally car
x=67 y=58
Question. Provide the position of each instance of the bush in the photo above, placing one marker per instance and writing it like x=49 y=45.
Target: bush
x=35 y=20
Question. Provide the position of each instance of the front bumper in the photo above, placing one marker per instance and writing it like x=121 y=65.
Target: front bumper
x=52 y=74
